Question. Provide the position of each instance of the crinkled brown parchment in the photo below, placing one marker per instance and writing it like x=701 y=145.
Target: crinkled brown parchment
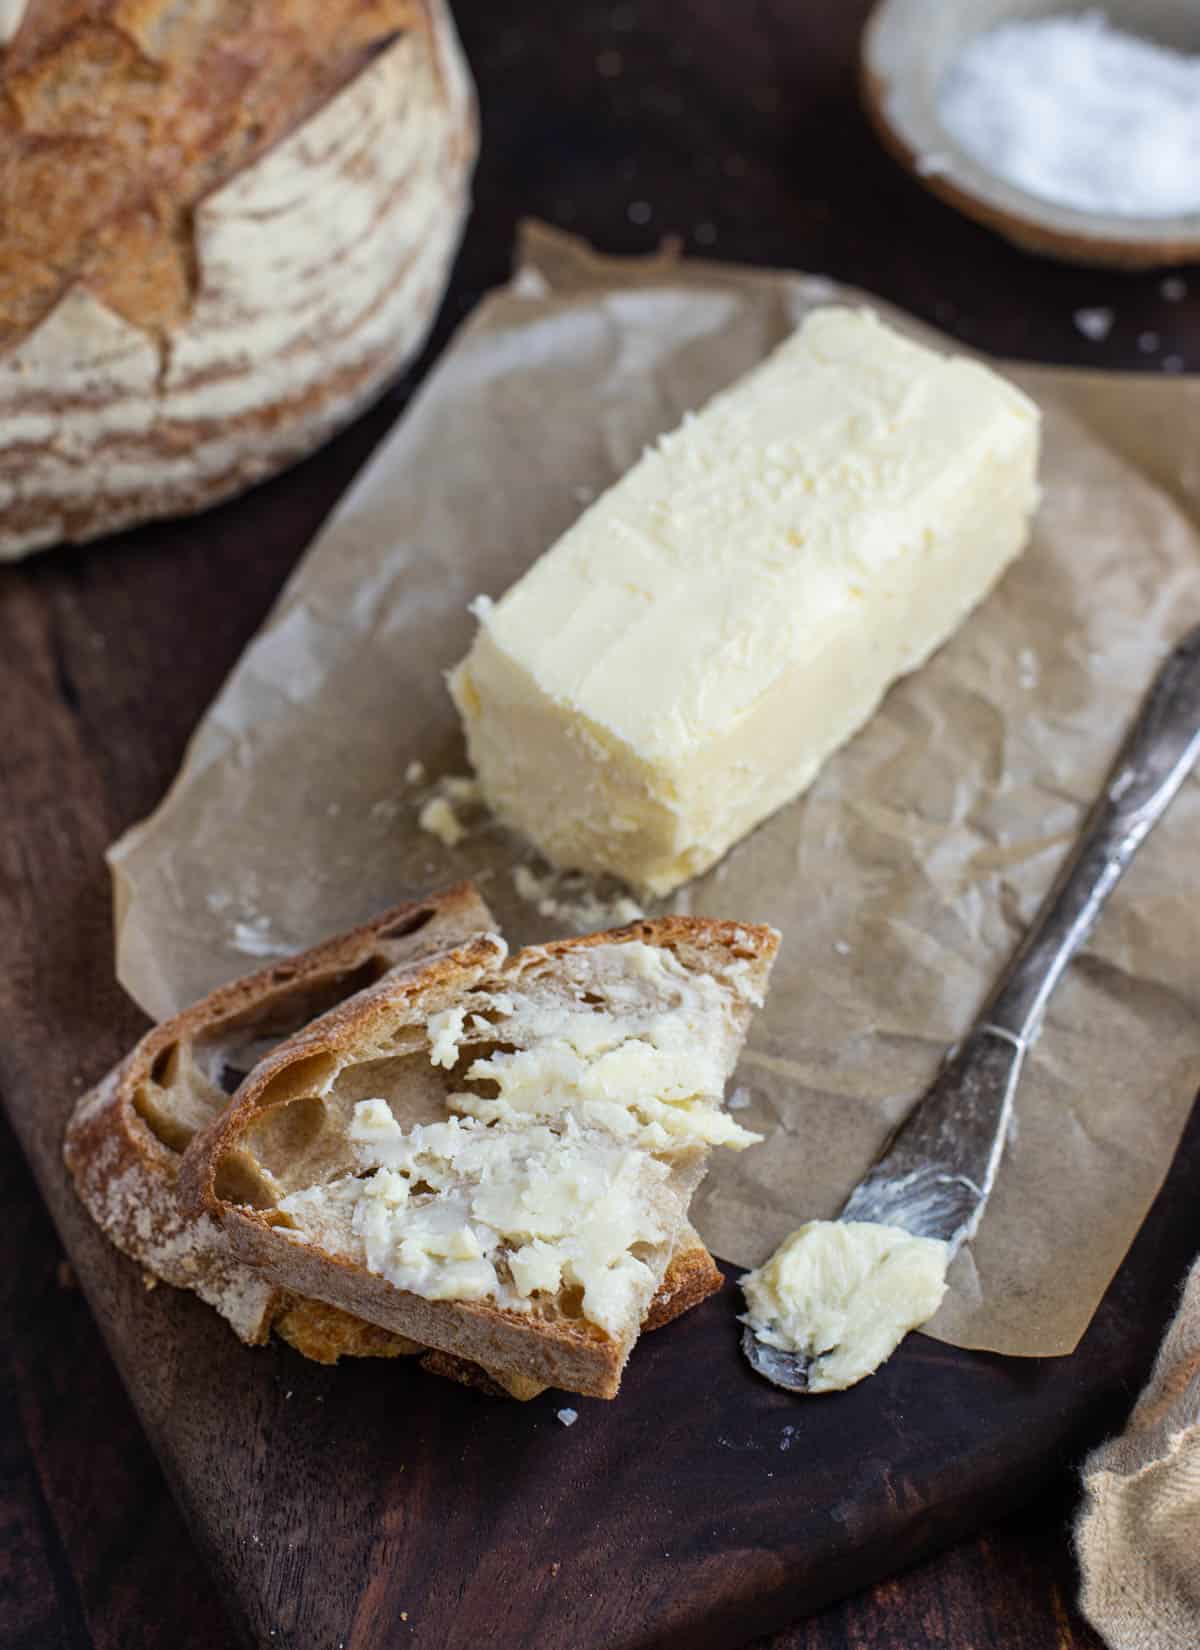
x=900 y=882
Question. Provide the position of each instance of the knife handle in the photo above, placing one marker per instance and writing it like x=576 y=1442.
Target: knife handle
x=1155 y=758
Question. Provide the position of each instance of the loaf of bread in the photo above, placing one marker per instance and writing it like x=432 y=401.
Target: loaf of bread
x=222 y=227
x=494 y=1155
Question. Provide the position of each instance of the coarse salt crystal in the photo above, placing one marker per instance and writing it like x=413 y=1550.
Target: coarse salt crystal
x=1095 y=324
x=568 y=1417
x=1079 y=113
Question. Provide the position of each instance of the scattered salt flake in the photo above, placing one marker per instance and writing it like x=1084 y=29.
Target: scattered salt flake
x=785 y=1439
x=841 y=947
x=739 y=1099
x=568 y=1417
x=1095 y=324
x=480 y=607
x=440 y=820
x=1148 y=342
x=253 y=938
x=572 y=898
x=414 y=774
x=289 y=1392
x=1174 y=288
x=818 y=289
x=555 y=1568
x=462 y=788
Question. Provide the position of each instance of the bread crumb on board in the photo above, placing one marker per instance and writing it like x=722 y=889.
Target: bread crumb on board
x=439 y=814
x=572 y=898
x=440 y=820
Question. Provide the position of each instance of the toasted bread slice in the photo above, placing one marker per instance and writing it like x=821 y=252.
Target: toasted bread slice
x=601 y=1059
x=124 y=1142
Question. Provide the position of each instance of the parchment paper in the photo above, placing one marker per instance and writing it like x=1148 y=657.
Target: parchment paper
x=900 y=882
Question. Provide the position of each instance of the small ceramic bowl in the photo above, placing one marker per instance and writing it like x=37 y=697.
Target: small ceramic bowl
x=906 y=48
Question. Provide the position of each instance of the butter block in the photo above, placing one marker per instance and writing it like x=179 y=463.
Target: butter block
x=683 y=660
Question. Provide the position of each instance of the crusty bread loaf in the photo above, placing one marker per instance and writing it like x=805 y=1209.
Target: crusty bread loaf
x=282 y=1168
x=124 y=1142
x=221 y=228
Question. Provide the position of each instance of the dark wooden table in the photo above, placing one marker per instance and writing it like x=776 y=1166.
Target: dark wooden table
x=736 y=129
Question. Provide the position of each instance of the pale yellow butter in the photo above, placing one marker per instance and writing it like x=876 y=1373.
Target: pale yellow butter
x=461 y=1211
x=844 y=1293
x=687 y=655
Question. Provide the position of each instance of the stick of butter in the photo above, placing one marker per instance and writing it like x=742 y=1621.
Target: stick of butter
x=687 y=655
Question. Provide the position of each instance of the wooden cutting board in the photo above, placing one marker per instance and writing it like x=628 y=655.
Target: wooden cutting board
x=365 y=1506
x=372 y=1506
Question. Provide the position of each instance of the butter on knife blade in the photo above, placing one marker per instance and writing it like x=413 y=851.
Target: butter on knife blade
x=683 y=660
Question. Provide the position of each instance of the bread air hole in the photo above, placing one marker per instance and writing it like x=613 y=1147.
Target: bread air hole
x=286 y=1141
x=176 y=1098
x=569 y=1302
x=296 y=1080
x=404 y=926
x=223 y=1054
x=237 y=1180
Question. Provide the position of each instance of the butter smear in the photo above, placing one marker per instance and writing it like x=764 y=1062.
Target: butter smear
x=845 y=1294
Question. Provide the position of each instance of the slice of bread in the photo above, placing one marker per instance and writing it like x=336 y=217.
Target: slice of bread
x=354 y=1163
x=124 y=1142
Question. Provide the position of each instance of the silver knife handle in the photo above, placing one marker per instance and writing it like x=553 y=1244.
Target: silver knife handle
x=1158 y=754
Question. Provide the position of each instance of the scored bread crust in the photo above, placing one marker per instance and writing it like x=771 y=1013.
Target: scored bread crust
x=221 y=1177
x=310 y=275
x=126 y=1173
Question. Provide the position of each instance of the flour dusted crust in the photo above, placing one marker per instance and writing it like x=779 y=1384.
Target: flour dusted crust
x=288 y=1129
x=217 y=317
x=124 y=1143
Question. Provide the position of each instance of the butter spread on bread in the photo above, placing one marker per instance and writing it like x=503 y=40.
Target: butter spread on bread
x=319 y=1192
x=126 y=1138
x=687 y=655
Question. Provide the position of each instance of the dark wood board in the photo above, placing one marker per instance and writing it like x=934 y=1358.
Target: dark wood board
x=330 y=1503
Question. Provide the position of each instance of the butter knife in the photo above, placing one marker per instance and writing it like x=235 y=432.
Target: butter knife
x=935 y=1175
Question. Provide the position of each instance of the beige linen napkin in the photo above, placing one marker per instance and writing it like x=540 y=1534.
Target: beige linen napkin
x=1138 y=1535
